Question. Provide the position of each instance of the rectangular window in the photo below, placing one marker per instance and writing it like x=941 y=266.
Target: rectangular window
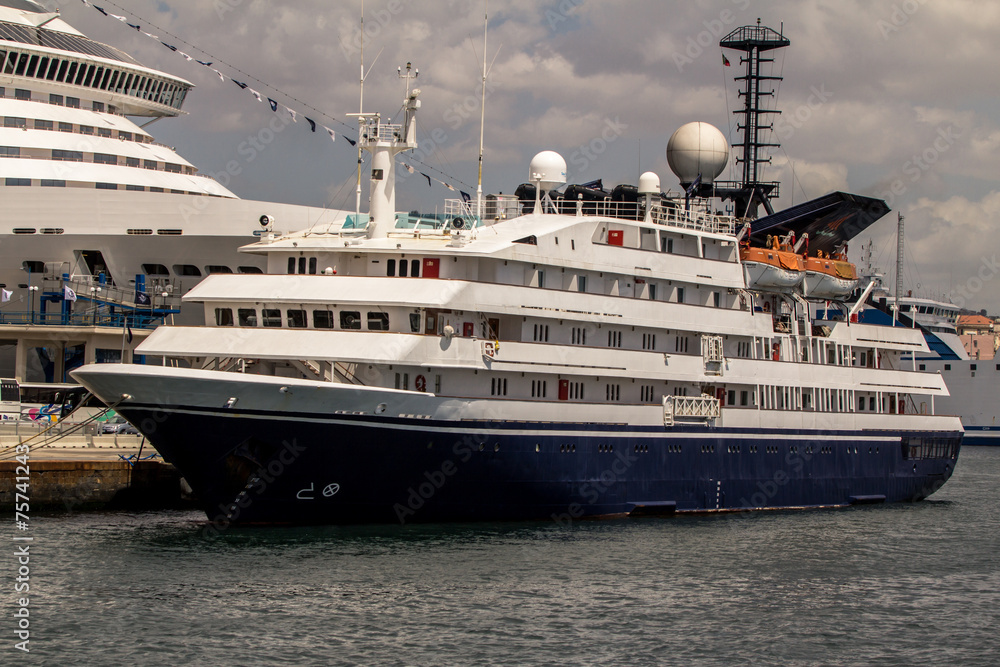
x=99 y=107
x=248 y=317
x=172 y=168
x=291 y=265
x=65 y=127
x=18 y=182
x=11 y=121
x=498 y=387
x=107 y=186
x=223 y=317
x=581 y=283
x=131 y=162
x=67 y=156
x=302 y=265
x=415 y=322
x=296 y=319
x=612 y=392
x=86 y=129
x=390 y=267
x=732 y=397
x=680 y=295
x=539 y=388
x=73 y=102
x=541 y=333
x=323 y=319
x=104 y=158
x=10 y=151
x=127 y=136
x=378 y=321
x=403 y=266
x=350 y=319
x=135 y=188
x=745 y=398
x=104 y=132
x=53 y=183
x=44 y=124
x=21 y=94
x=271 y=317
x=149 y=164
x=652 y=292
x=717 y=299
x=578 y=336
x=56 y=99
x=415 y=268
x=312 y=266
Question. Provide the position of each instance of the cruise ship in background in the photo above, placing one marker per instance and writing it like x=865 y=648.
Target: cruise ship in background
x=88 y=192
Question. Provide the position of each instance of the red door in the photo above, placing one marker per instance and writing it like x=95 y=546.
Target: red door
x=432 y=267
x=468 y=329
x=563 y=390
x=616 y=237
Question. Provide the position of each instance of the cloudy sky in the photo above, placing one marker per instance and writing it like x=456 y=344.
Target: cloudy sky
x=895 y=99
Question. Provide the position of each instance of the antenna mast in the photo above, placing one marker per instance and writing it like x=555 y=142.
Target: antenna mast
x=482 y=115
x=361 y=119
x=899 y=265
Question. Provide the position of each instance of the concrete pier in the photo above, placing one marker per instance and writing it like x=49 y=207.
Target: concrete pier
x=91 y=472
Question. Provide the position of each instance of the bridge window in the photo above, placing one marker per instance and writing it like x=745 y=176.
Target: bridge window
x=323 y=319
x=296 y=319
x=378 y=321
x=350 y=319
x=155 y=270
x=248 y=317
x=224 y=317
x=271 y=317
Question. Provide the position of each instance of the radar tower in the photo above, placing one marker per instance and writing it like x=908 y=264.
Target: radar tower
x=751 y=192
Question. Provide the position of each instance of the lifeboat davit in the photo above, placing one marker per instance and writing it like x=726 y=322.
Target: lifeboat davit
x=772 y=269
x=829 y=277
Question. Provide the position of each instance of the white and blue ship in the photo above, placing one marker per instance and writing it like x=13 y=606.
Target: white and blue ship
x=562 y=353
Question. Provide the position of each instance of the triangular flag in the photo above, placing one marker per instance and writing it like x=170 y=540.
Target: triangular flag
x=6 y=295
x=172 y=48
x=120 y=18
x=141 y=298
x=128 y=330
x=349 y=140
x=186 y=56
x=725 y=60
x=86 y=3
x=221 y=78
x=408 y=167
x=292 y=112
x=465 y=196
x=427 y=177
x=150 y=35
x=256 y=94
x=100 y=10
x=240 y=84
x=449 y=186
x=132 y=25
x=68 y=294
x=312 y=123
x=202 y=62
x=333 y=135
x=274 y=105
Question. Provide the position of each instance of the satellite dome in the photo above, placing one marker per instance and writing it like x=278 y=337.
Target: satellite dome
x=548 y=169
x=697 y=148
x=649 y=184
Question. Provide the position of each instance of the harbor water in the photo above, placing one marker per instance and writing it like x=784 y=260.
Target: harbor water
x=903 y=584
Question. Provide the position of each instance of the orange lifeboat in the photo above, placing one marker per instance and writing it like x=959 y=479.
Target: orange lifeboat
x=774 y=268
x=829 y=277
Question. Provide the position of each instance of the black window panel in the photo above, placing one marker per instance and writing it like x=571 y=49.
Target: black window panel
x=312 y=266
x=390 y=267
x=271 y=317
x=217 y=268
x=248 y=317
x=155 y=270
x=302 y=264
x=323 y=319
x=296 y=319
x=378 y=321
x=415 y=268
x=291 y=265
x=403 y=265
x=224 y=317
x=187 y=270
x=350 y=319
x=250 y=269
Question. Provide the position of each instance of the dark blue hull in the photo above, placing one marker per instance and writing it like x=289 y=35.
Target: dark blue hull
x=982 y=435
x=357 y=469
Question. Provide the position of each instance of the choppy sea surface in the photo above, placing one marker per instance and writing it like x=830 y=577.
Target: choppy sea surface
x=906 y=584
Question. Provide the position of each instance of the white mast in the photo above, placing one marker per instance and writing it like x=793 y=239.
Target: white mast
x=482 y=115
x=361 y=119
x=899 y=267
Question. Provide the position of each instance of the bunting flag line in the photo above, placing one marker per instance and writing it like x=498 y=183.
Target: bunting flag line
x=466 y=197
x=132 y=25
x=202 y=62
x=68 y=294
x=100 y=10
x=427 y=177
x=408 y=168
x=292 y=112
x=240 y=84
x=120 y=18
x=449 y=186
x=172 y=48
x=6 y=295
x=349 y=140
x=274 y=105
x=221 y=78
x=256 y=94
x=186 y=56
x=333 y=135
x=312 y=123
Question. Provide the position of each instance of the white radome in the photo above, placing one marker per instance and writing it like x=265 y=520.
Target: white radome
x=649 y=184
x=697 y=148
x=547 y=170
